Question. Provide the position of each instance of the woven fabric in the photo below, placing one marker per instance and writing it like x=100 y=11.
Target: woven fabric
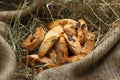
x=101 y=64
x=7 y=60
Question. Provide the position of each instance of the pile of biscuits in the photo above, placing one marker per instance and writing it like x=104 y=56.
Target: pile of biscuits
x=65 y=41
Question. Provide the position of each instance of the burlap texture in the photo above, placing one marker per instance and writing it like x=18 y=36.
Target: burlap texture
x=101 y=64
x=7 y=55
x=7 y=60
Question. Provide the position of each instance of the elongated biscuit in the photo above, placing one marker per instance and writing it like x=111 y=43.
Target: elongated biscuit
x=68 y=25
x=83 y=33
x=31 y=60
x=88 y=47
x=70 y=29
x=90 y=36
x=53 y=55
x=82 y=24
x=34 y=40
x=34 y=60
x=73 y=58
x=81 y=36
x=50 y=39
x=45 y=60
x=61 y=48
x=61 y=22
x=73 y=43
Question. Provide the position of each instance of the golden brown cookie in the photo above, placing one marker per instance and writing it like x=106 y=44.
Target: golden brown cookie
x=73 y=43
x=34 y=40
x=61 y=22
x=61 y=48
x=49 y=40
x=88 y=47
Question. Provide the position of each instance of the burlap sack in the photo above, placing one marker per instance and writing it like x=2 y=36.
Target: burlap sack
x=7 y=60
x=100 y=64
x=7 y=56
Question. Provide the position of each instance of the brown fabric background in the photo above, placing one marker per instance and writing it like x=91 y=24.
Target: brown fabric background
x=101 y=64
x=7 y=60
